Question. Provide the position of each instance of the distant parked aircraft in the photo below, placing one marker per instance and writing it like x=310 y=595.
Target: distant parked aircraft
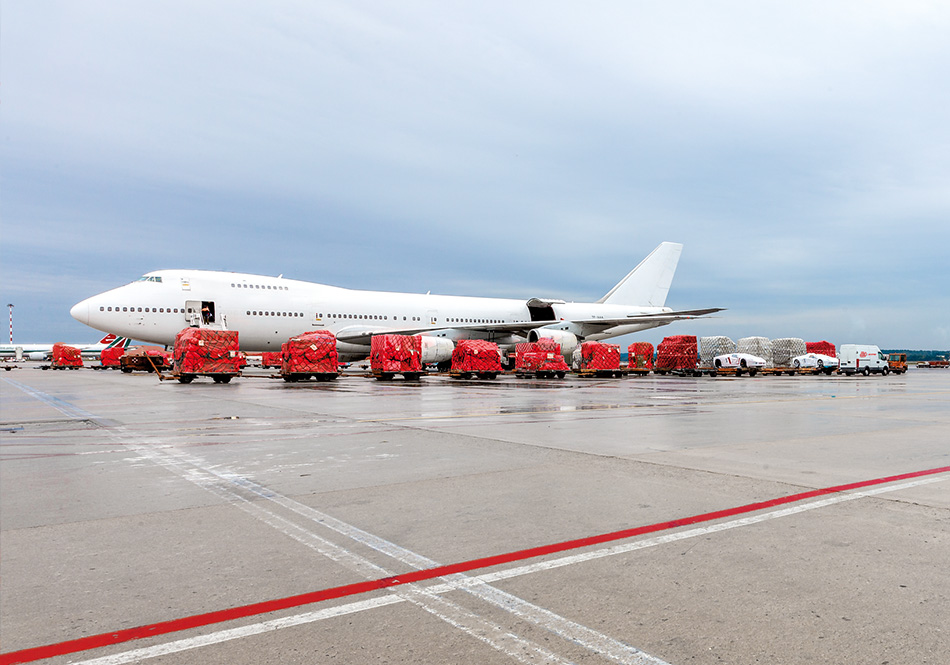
x=45 y=351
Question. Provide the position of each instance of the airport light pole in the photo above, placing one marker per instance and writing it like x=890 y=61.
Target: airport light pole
x=10 y=305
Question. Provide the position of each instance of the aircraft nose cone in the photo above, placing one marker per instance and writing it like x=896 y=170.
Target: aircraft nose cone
x=80 y=312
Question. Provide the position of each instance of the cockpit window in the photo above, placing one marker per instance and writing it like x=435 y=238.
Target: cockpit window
x=150 y=278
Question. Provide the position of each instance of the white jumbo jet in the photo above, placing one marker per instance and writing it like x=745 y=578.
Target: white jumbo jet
x=45 y=351
x=267 y=311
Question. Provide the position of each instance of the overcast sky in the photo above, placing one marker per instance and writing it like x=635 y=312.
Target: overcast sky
x=799 y=151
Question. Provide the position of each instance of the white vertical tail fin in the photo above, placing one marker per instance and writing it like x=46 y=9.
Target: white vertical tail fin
x=648 y=283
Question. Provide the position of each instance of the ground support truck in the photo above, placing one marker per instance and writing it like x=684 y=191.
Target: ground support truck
x=862 y=358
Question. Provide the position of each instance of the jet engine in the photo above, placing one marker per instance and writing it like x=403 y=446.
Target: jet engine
x=436 y=349
x=568 y=341
x=36 y=355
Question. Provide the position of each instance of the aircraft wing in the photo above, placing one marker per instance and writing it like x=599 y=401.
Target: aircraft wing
x=364 y=334
x=661 y=317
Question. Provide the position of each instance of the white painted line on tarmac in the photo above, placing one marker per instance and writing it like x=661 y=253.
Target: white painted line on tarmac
x=199 y=472
x=136 y=655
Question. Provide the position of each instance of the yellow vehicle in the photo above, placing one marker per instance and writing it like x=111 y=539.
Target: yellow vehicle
x=897 y=362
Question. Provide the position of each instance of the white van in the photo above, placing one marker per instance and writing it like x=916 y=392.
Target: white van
x=864 y=358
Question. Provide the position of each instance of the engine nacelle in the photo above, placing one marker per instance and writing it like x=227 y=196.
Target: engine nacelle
x=36 y=355
x=436 y=349
x=568 y=341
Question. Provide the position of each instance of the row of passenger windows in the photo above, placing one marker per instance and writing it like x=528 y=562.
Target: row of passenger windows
x=373 y=317
x=260 y=286
x=162 y=310
x=473 y=321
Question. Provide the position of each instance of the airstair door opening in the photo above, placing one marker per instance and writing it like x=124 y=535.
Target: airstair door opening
x=201 y=314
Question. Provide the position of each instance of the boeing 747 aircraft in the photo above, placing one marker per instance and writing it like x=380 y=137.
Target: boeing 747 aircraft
x=266 y=311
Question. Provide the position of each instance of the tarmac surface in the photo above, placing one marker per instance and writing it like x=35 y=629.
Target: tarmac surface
x=646 y=520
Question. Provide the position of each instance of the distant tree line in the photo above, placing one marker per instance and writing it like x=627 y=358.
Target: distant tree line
x=917 y=356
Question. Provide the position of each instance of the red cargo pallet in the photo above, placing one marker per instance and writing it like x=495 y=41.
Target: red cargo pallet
x=640 y=358
x=109 y=357
x=822 y=347
x=272 y=358
x=312 y=354
x=396 y=354
x=677 y=354
x=473 y=357
x=205 y=352
x=66 y=356
x=542 y=359
x=599 y=360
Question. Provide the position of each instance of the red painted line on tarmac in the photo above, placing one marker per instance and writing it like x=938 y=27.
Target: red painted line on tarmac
x=220 y=616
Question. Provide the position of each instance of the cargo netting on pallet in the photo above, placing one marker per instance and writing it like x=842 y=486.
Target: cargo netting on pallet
x=310 y=353
x=522 y=348
x=66 y=356
x=599 y=356
x=204 y=351
x=710 y=347
x=676 y=352
x=110 y=357
x=756 y=346
x=822 y=347
x=476 y=355
x=272 y=358
x=541 y=356
x=786 y=348
x=640 y=355
x=543 y=361
x=395 y=354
